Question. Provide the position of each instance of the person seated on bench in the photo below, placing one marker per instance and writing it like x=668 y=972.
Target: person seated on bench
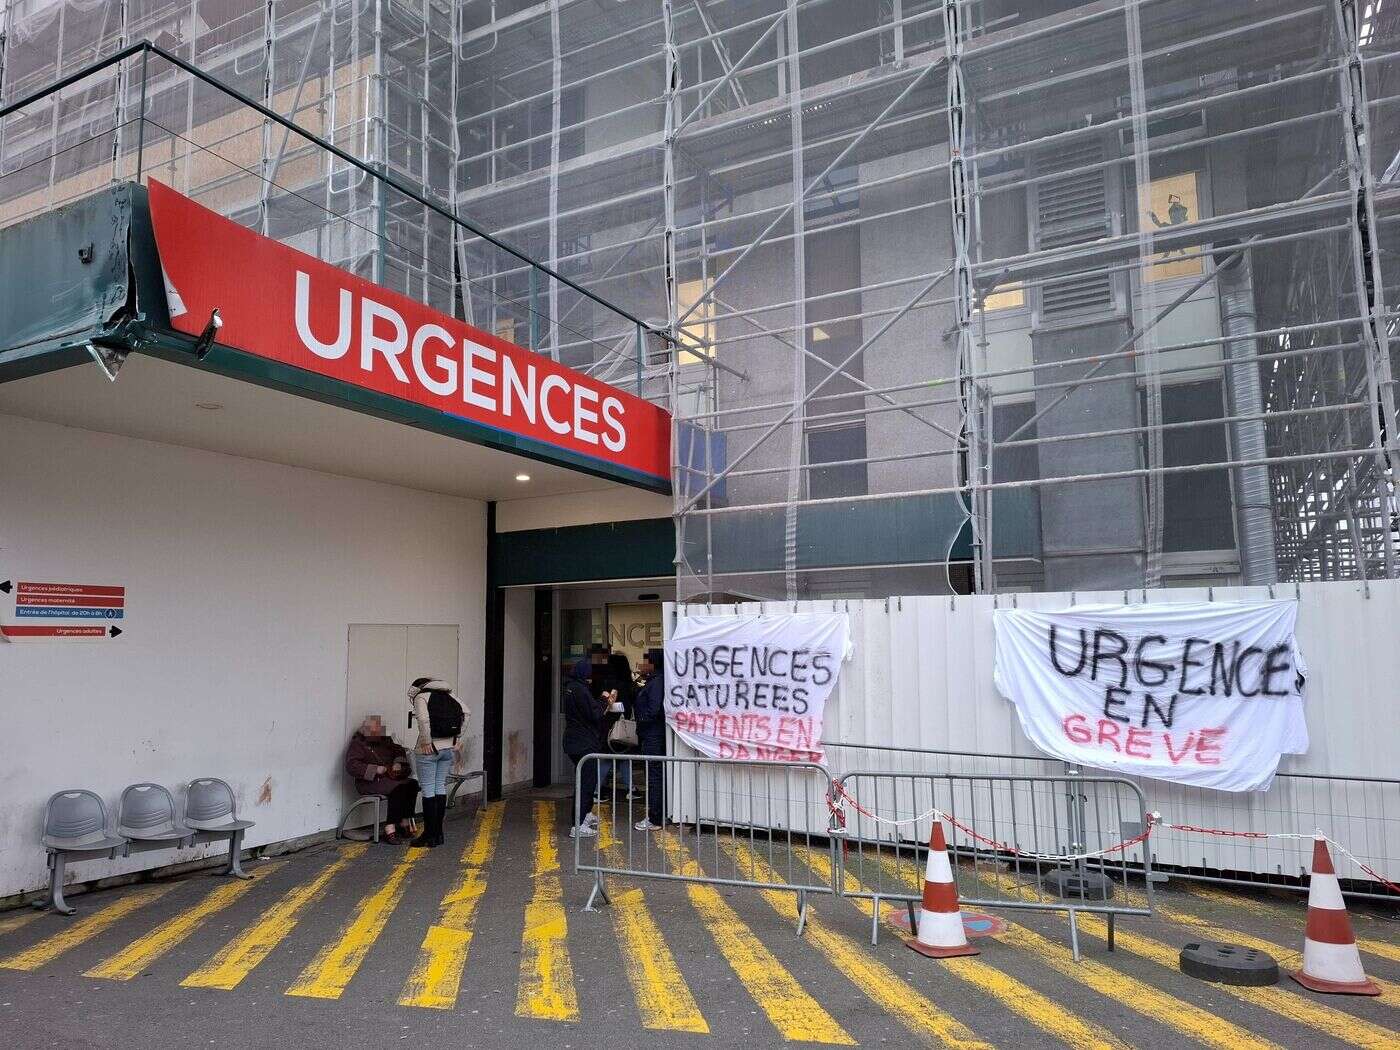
x=382 y=767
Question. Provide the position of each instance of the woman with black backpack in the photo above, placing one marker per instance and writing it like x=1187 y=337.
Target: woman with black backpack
x=441 y=722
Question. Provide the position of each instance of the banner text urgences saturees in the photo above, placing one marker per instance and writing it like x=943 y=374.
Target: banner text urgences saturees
x=754 y=687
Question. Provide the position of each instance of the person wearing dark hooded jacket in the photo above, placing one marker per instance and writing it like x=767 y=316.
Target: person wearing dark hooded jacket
x=650 y=708
x=583 y=735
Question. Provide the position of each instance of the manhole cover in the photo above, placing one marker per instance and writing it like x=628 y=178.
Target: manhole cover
x=1228 y=963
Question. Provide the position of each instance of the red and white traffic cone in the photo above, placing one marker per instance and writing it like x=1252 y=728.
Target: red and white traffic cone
x=941 y=934
x=1331 y=961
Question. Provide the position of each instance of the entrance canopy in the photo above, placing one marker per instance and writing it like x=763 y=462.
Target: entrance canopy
x=222 y=339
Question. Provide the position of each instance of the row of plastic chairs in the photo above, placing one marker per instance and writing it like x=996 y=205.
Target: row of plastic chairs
x=75 y=827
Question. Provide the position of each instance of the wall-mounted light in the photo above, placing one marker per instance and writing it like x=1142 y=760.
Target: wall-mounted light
x=522 y=477
x=209 y=406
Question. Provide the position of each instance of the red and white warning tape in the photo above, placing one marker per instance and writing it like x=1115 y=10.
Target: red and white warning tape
x=1151 y=821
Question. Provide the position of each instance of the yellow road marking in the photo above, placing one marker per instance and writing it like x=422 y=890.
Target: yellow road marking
x=1287 y=957
x=1188 y=1020
x=145 y=950
x=335 y=965
x=1051 y=1018
x=881 y=984
x=20 y=917
x=794 y=1013
x=546 y=988
x=50 y=948
x=235 y=960
x=663 y=998
x=437 y=977
x=1275 y=911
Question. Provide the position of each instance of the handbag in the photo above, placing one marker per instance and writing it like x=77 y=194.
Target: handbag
x=623 y=734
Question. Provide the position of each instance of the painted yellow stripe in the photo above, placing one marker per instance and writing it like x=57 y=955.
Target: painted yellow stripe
x=546 y=988
x=20 y=917
x=1190 y=1021
x=1296 y=913
x=335 y=965
x=794 y=1013
x=663 y=998
x=1048 y=1016
x=882 y=985
x=145 y=950
x=1288 y=958
x=235 y=960
x=437 y=977
x=89 y=926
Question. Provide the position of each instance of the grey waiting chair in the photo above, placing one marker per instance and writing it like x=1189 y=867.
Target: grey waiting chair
x=212 y=814
x=75 y=828
x=147 y=819
x=381 y=810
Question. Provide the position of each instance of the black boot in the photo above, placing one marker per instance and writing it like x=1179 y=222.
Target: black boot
x=437 y=823
x=426 y=838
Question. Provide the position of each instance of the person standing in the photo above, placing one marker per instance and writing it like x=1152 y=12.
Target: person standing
x=650 y=706
x=441 y=721
x=583 y=735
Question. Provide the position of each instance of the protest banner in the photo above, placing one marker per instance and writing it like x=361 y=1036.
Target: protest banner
x=1208 y=694
x=754 y=687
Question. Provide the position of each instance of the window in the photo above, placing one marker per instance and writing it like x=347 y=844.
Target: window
x=836 y=445
x=697 y=333
x=1172 y=201
x=1198 y=506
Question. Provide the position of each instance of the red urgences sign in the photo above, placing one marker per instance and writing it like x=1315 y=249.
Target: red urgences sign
x=287 y=306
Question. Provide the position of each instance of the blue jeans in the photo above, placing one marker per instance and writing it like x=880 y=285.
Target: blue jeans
x=432 y=771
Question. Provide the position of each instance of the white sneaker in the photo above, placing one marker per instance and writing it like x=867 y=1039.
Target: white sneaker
x=583 y=831
x=646 y=825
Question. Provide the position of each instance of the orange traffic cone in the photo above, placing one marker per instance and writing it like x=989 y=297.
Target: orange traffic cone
x=1331 y=962
x=940 y=934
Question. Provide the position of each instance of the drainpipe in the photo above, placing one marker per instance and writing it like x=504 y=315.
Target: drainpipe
x=1254 y=517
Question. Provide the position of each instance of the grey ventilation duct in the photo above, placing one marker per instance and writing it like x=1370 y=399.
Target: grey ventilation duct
x=1254 y=516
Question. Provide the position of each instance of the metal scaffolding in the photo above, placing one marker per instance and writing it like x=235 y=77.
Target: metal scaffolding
x=943 y=294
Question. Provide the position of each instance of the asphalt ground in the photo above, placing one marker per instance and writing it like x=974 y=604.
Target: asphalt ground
x=485 y=943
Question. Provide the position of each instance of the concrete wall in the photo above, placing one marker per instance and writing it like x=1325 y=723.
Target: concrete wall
x=242 y=577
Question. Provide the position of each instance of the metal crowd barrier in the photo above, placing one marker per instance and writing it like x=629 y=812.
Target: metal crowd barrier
x=1361 y=812
x=1023 y=826
x=728 y=823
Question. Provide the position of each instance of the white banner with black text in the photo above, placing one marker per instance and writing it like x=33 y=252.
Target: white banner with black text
x=754 y=687
x=1201 y=693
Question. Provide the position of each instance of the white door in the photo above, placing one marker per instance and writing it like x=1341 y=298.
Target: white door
x=383 y=660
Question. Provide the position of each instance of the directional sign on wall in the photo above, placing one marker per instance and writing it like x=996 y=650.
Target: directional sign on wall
x=64 y=610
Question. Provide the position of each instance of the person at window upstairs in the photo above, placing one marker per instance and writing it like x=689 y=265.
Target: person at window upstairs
x=381 y=767
x=442 y=720
x=584 y=717
x=651 y=734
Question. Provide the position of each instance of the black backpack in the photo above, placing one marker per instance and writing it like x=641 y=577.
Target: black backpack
x=444 y=715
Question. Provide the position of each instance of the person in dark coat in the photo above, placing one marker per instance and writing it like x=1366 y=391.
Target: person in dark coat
x=583 y=735
x=381 y=767
x=651 y=734
x=617 y=679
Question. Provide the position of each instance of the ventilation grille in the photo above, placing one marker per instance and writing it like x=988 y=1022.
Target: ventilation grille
x=1074 y=210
